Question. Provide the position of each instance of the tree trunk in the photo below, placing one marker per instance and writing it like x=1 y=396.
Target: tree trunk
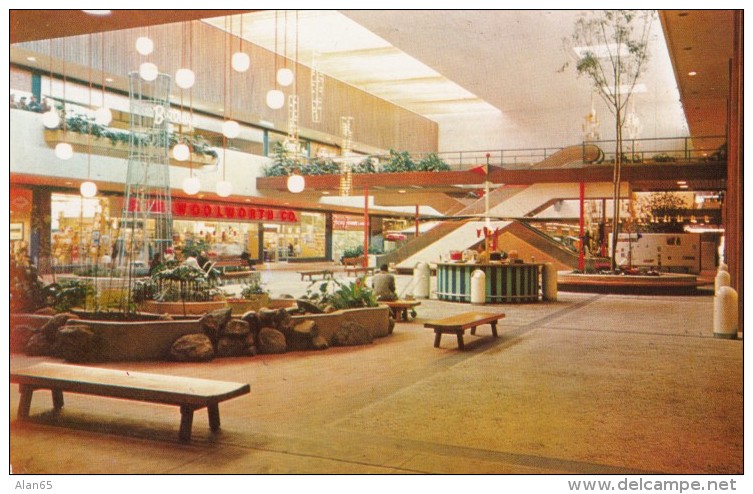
x=616 y=183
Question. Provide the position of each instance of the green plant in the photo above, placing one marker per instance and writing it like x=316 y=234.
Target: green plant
x=173 y=282
x=26 y=289
x=340 y=295
x=399 y=162
x=432 y=163
x=69 y=294
x=252 y=288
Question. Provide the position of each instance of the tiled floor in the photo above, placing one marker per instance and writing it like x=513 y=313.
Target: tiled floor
x=589 y=384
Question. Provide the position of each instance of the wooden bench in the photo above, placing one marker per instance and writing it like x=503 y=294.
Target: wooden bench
x=353 y=261
x=238 y=268
x=399 y=308
x=458 y=323
x=358 y=269
x=189 y=394
x=324 y=273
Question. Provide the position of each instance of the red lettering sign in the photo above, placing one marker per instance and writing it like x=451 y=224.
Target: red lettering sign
x=199 y=209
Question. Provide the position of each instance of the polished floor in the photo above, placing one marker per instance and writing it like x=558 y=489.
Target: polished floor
x=589 y=384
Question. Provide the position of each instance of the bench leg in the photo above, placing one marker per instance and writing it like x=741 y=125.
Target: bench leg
x=437 y=338
x=461 y=346
x=213 y=409
x=494 y=329
x=473 y=330
x=57 y=399
x=186 y=422
x=24 y=405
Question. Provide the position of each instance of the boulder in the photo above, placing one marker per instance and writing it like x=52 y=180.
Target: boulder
x=319 y=343
x=192 y=348
x=302 y=335
x=235 y=328
x=228 y=346
x=250 y=344
x=391 y=325
x=352 y=333
x=46 y=311
x=253 y=320
x=308 y=307
x=267 y=317
x=213 y=322
x=38 y=345
x=271 y=341
x=51 y=327
x=75 y=343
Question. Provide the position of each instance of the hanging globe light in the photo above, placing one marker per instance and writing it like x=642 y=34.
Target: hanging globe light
x=88 y=189
x=148 y=71
x=185 y=78
x=181 y=152
x=240 y=62
x=231 y=129
x=296 y=183
x=285 y=77
x=191 y=185
x=64 y=151
x=144 y=45
x=224 y=188
x=103 y=116
x=51 y=119
x=275 y=99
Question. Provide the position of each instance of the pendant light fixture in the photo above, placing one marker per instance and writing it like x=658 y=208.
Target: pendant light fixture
x=191 y=184
x=225 y=188
x=147 y=70
x=295 y=183
x=51 y=118
x=88 y=188
x=63 y=150
x=181 y=152
x=285 y=75
x=240 y=61
x=184 y=76
x=275 y=97
x=103 y=115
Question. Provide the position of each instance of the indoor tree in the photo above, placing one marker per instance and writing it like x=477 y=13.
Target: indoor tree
x=610 y=49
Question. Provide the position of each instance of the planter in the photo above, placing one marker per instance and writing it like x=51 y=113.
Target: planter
x=375 y=319
x=182 y=308
x=103 y=146
x=241 y=305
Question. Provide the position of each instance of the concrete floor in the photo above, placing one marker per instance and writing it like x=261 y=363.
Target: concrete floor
x=590 y=384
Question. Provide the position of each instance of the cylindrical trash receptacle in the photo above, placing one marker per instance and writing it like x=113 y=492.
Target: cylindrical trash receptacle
x=725 y=313
x=721 y=279
x=549 y=282
x=421 y=280
x=478 y=287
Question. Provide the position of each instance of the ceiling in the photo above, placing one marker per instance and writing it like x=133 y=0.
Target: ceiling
x=493 y=79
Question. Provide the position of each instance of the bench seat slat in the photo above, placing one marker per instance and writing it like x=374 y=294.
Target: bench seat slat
x=464 y=320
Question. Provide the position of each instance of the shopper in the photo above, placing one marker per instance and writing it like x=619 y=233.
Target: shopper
x=383 y=284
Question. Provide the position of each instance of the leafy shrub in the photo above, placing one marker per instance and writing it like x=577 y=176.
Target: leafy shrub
x=341 y=295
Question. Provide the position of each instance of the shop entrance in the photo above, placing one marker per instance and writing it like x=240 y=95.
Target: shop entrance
x=281 y=242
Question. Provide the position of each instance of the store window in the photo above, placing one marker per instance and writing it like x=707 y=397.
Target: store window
x=347 y=233
x=217 y=238
x=83 y=230
x=303 y=240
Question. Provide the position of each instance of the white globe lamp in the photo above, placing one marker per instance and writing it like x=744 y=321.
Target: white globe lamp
x=275 y=99
x=231 y=129
x=64 y=151
x=148 y=71
x=296 y=183
x=191 y=185
x=88 y=189
x=285 y=77
x=103 y=116
x=181 y=152
x=240 y=62
x=185 y=78
x=144 y=45
x=51 y=119
x=224 y=188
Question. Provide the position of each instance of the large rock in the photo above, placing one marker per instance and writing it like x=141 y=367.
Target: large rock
x=213 y=322
x=352 y=333
x=308 y=307
x=229 y=346
x=271 y=341
x=38 y=345
x=76 y=343
x=253 y=320
x=46 y=311
x=250 y=344
x=302 y=335
x=192 y=348
x=319 y=343
x=52 y=326
x=236 y=328
x=267 y=317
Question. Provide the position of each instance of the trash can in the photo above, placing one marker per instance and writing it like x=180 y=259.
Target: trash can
x=421 y=280
x=722 y=279
x=478 y=287
x=725 y=313
x=549 y=282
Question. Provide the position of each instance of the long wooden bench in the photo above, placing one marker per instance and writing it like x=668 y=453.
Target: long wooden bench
x=399 y=308
x=324 y=273
x=458 y=323
x=359 y=269
x=189 y=394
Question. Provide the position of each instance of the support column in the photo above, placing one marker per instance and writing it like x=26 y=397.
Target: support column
x=366 y=227
x=581 y=232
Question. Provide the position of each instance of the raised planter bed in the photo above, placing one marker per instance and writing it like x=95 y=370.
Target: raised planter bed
x=375 y=319
x=182 y=308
